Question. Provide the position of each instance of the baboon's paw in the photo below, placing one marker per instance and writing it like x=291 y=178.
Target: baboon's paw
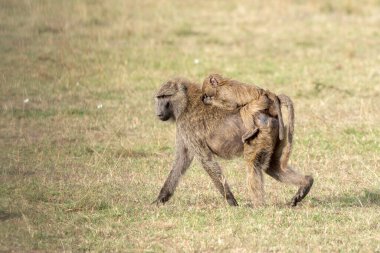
x=232 y=202
x=302 y=191
x=161 y=199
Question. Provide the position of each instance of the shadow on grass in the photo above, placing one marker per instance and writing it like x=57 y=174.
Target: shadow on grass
x=365 y=199
x=6 y=215
x=132 y=153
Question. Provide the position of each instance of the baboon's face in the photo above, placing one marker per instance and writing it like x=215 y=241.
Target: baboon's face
x=164 y=107
x=208 y=90
x=170 y=100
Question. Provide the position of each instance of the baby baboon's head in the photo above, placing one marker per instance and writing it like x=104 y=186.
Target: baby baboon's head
x=210 y=85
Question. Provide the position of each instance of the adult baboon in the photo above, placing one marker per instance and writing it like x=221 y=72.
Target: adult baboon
x=206 y=131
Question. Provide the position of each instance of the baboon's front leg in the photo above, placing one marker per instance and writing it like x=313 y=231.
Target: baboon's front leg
x=216 y=174
x=183 y=159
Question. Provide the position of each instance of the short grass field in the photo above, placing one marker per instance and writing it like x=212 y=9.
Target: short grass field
x=83 y=154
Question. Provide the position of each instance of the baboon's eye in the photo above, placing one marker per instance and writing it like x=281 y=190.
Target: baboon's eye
x=163 y=96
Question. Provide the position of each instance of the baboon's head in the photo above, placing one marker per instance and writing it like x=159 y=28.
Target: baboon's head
x=171 y=99
x=210 y=85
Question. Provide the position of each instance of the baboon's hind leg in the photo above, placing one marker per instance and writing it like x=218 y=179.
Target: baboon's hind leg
x=290 y=176
x=255 y=179
x=302 y=191
x=257 y=155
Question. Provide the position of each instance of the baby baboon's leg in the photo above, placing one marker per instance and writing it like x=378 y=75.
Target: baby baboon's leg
x=249 y=134
x=257 y=154
x=216 y=174
x=248 y=114
x=290 y=176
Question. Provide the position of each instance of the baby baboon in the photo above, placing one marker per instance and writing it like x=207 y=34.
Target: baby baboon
x=204 y=132
x=229 y=94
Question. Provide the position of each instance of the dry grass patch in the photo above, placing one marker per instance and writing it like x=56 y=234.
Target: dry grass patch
x=83 y=156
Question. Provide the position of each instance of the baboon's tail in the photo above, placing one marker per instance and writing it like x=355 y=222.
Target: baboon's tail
x=279 y=115
x=277 y=111
x=286 y=101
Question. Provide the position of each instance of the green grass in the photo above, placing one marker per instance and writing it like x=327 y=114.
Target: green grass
x=83 y=155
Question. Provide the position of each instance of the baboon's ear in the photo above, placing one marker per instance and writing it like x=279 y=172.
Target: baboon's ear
x=182 y=87
x=214 y=82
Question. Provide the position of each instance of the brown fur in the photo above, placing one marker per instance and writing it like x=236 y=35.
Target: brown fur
x=286 y=145
x=204 y=132
x=257 y=155
x=230 y=94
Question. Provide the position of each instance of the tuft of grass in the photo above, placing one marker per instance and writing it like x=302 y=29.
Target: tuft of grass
x=186 y=30
x=32 y=113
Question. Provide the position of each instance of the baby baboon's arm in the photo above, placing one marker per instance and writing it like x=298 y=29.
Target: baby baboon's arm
x=224 y=104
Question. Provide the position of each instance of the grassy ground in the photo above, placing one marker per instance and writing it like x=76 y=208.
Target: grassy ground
x=83 y=156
